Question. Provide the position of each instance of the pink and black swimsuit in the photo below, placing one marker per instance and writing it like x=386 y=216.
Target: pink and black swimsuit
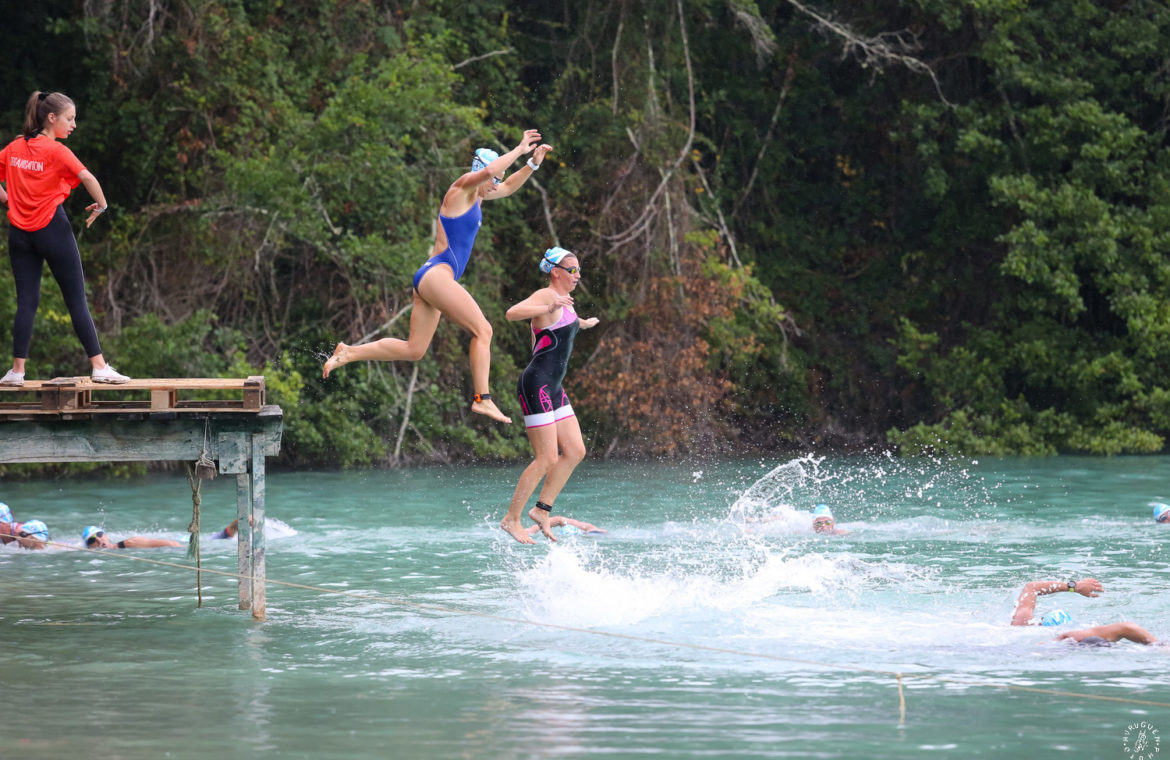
x=542 y=398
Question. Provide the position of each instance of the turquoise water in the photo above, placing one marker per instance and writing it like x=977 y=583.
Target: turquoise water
x=109 y=657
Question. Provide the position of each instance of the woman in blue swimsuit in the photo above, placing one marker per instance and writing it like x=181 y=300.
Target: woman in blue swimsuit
x=437 y=291
x=552 y=427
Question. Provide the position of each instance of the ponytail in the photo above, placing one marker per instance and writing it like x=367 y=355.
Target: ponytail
x=38 y=108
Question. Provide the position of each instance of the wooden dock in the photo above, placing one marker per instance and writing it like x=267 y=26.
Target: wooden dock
x=76 y=420
x=63 y=396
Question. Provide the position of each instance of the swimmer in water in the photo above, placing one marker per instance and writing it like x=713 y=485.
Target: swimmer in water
x=823 y=521
x=96 y=538
x=33 y=534
x=1099 y=635
x=1161 y=512
x=437 y=291
x=552 y=426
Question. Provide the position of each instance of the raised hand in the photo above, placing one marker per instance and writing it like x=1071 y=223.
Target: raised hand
x=529 y=141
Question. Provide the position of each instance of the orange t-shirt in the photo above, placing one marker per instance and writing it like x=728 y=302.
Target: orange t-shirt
x=38 y=175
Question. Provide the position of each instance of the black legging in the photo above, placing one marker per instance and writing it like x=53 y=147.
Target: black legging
x=29 y=251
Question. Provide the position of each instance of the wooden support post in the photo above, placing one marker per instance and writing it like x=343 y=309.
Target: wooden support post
x=244 y=538
x=164 y=398
x=259 y=608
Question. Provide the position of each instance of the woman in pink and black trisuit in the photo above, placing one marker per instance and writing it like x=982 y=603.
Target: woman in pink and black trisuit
x=552 y=427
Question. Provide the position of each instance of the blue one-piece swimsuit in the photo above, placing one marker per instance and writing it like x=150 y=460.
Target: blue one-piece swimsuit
x=461 y=232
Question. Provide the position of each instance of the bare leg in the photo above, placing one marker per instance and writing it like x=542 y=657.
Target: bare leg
x=440 y=290
x=572 y=452
x=544 y=444
x=424 y=319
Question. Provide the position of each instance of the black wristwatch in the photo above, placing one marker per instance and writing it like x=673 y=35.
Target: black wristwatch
x=1072 y=585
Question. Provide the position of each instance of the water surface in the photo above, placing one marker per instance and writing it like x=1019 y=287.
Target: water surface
x=427 y=655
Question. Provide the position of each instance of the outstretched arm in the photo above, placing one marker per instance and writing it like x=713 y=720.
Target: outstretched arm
x=521 y=175
x=1113 y=632
x=1026 y=603
x=142 y=542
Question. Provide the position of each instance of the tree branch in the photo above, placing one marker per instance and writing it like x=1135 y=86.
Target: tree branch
x=473 y=59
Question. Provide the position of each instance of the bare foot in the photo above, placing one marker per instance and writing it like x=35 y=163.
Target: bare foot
x=335 y=361
x=487 y=407
x=542 y=519
x=516 y=530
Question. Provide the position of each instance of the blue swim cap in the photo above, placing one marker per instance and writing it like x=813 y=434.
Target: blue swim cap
x=822 y=510
x=5 y=513
x=36 y=528
x=552 y=257
x=483 y=157
x=1161 y=511
x=569 y=530
x=89 y=532
x=1056 y=617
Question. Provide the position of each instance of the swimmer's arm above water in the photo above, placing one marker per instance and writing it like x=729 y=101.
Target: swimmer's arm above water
x=1026 y=603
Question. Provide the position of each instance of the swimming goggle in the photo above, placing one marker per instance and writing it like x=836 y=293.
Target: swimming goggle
x=93 y=539
x=823 y=523
x=570 y=270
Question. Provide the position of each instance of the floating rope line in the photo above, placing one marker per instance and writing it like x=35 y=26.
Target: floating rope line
x=630 y=637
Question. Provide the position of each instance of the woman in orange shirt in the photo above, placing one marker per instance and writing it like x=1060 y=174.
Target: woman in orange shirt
x=37 y=174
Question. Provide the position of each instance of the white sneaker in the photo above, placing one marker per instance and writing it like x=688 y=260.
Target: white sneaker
x=12 y=378
x=108 y=374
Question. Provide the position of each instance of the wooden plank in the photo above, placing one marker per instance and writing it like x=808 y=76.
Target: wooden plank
x=76 y=394
x=18 y=412
x=113 y=439
x=142 y=384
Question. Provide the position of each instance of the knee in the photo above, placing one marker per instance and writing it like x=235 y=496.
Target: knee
x=414 y=353
x=574 y=452
x=543 y=464
x=482 y=330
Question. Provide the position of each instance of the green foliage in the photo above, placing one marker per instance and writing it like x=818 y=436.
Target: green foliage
x=984 y=277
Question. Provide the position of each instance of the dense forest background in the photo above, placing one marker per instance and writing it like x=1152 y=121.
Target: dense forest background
x=919 y=224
